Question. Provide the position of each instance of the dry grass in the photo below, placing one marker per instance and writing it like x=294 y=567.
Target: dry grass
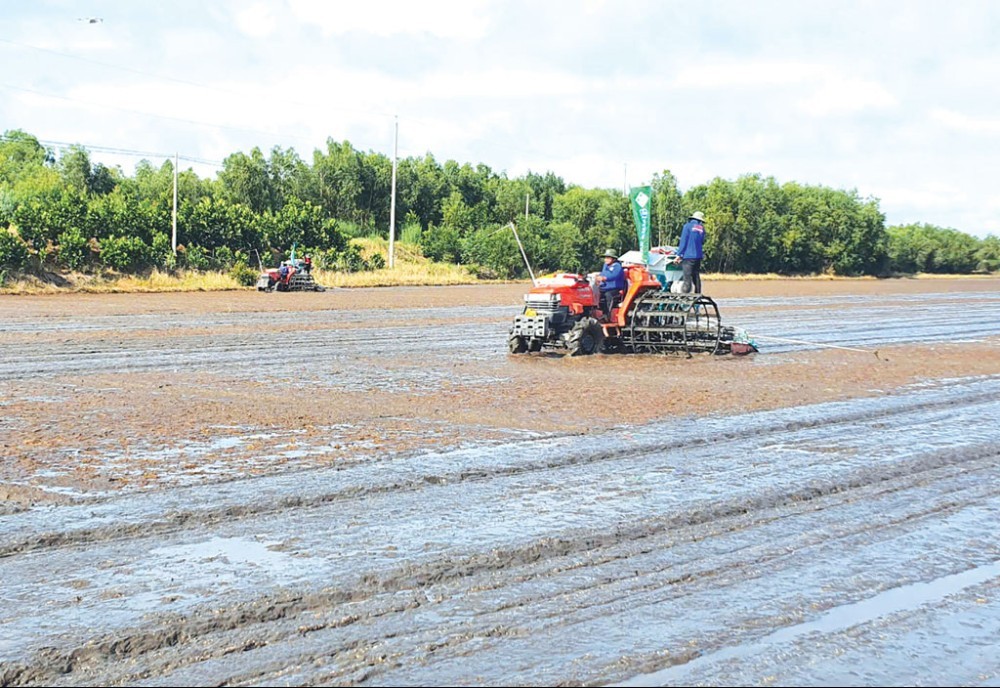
x=411 y=268
x=185 y=280
x=155 y=281
x=401 y=275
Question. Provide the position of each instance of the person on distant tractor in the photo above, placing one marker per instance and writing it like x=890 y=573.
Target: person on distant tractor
x=690 y=253
x=307 y=264
x=612 y=281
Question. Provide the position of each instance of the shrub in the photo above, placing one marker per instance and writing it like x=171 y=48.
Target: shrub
x=13 y=251
x=410 y=233
x=197 y=258
x=224 y=258
x=126 y=254
x=347 y=260
x=244 y=274
x=74 y=249
x=162 y=253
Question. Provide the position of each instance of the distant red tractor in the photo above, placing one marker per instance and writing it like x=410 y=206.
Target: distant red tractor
x=292 y=275
x=563 y=312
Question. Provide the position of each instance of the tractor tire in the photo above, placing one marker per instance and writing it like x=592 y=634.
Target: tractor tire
x=586 y=338
x=517 y=345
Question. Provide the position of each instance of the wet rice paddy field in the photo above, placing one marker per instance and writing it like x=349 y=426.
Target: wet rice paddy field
x=364 y=487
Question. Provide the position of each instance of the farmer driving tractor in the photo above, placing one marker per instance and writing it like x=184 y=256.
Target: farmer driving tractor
x=612 y=281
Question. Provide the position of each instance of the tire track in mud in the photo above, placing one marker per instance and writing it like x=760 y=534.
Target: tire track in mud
x=860 y=321
x=757 y=485
x=231 y=353
x=278 y=623
x=132 y=515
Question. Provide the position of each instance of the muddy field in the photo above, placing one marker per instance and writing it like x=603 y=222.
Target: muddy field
x=363 y=487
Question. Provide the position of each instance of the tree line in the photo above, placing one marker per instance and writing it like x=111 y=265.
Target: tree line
x=65 y=212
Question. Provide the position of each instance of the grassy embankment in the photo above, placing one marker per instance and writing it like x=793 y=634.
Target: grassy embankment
x=411 y=269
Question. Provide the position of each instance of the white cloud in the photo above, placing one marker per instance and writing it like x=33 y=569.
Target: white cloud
x=741 y=145
x=926 y=196
x=747 y=74
x=845 y=95
x=462 y=19
x=496 y=83
x=964 y=123
x=256 y=21
x=830 y=91
x=445 y=138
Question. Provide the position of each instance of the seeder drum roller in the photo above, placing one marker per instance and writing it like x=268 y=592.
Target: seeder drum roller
x=662 y=322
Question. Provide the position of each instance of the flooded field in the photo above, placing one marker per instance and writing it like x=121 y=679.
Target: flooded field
x=363 y=487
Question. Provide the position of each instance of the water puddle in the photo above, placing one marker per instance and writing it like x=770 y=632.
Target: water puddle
x=894 y=600
x=230 y=550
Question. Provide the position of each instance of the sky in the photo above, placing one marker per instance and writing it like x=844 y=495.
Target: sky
x=898 y=100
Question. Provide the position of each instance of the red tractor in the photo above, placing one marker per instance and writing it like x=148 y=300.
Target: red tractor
x=564 y=312
x=292 y=275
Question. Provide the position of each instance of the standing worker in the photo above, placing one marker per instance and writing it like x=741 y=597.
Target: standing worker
x=612 y=281
x=690 y=253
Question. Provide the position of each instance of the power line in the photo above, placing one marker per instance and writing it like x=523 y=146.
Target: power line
x=135 y=153
x=186 y=82
x=150 y=114
x=122 y=151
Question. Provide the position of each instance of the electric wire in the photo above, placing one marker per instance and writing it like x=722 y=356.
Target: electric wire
x=186 y=82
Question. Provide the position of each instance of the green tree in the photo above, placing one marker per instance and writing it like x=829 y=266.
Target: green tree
x=563 y=249
x=301 y=223
x=42 y=219
x=667 y=208
x=21 y=155
x=510 y=196
x=338 y=176
x=494 y=248
x=927 y=248
x=544 y=190
x=245 y=180
x=988 y=254
x=443 y=244
x=421 y=187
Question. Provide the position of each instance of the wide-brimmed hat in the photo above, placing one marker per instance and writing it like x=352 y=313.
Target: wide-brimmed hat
x=697 y=215
x=610 y=254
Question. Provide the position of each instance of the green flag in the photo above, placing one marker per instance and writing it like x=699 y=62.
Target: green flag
x=642 y=197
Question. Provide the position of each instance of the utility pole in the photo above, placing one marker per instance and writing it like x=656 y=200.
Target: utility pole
x=392 y=204
x=173 y=236
x=527 y=204
x=524 y=255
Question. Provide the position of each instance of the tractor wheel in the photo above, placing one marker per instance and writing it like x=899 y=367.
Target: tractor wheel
x=516 y=344
x=586 y=338
x=535 y=344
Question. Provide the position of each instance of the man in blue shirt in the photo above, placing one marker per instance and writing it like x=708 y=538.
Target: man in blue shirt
x=689 y=252
x=612 y=281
